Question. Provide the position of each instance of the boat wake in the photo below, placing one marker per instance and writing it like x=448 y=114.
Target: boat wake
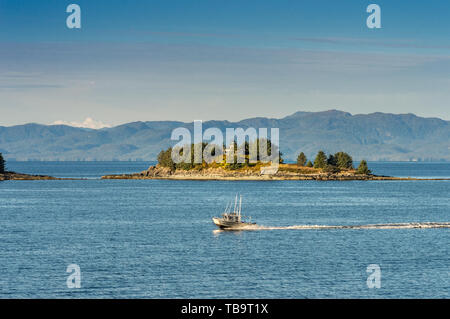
x=369 y=226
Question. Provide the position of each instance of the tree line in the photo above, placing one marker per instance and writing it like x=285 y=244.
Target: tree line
x=244 y=151
x=2 y=164
x=333 y=163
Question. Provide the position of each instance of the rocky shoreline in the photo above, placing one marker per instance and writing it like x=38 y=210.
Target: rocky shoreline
x=13 y=176
x=157 y=172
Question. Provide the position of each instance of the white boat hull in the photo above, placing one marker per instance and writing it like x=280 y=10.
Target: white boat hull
x=225 y=224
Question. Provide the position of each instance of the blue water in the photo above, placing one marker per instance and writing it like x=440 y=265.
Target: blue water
x=85 y=170
x=155 y=238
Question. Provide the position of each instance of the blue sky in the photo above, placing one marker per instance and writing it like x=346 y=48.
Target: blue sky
x=184 y=60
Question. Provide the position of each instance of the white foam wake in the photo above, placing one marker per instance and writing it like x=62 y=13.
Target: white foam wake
x=369 y=226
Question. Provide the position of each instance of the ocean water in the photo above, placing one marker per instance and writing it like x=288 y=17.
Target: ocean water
x=155 y=238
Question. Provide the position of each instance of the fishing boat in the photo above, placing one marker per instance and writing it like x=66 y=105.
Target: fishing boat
x=233 y=220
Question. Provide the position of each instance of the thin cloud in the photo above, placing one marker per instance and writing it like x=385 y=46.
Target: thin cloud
x=190 y=34
x=394 y=43
x=30 y=86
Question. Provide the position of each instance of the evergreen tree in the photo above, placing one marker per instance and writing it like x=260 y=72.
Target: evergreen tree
x=270 y=148
x=331 y=161
x=343 y=160
x=2 y=164
x=309 y=164
x=321 y=160
x=363 y=168
x=301 y=159
x=165 y=159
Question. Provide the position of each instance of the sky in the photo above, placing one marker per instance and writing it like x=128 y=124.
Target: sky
x=225 y=60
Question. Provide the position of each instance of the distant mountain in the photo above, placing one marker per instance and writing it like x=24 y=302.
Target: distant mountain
x=376 y=136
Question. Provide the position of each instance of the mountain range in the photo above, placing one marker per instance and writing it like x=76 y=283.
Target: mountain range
x=375 y=136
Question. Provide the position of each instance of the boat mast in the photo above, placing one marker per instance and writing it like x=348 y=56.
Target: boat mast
x=240 y=206
x=235 y=205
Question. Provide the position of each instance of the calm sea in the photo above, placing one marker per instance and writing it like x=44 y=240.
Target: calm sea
x=155 y=238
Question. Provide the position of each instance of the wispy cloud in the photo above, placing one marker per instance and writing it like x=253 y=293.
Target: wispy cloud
x=389 y=43
x=20 y=75
x=30 y=86
x=191 y=34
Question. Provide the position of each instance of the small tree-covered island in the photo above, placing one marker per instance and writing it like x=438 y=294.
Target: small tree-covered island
x=7 y=175
x=245 y=165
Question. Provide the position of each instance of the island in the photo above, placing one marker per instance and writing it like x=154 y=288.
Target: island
x=25 y=177
x=285 y=172
x=334 y=167
x=7 y=175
